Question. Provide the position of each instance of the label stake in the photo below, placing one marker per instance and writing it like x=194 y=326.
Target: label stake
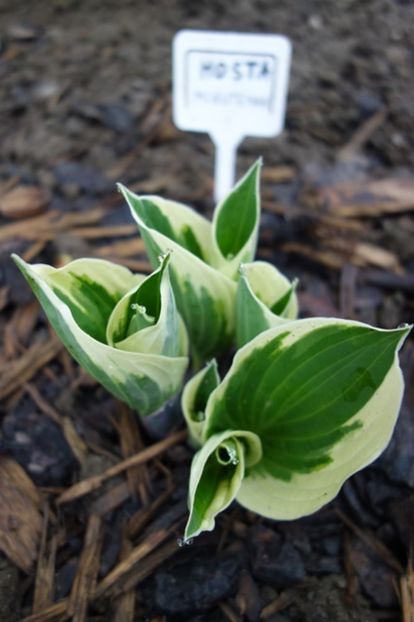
x=230 y=86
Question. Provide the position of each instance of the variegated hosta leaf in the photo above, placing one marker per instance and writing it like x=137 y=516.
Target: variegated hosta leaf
x=146 y=318
x=265 y=298
x=194 y=399
x=322 y=395
x=175 y=221
x=205 y=297
x=236 y=223
x=217 y=472
x=78 y=300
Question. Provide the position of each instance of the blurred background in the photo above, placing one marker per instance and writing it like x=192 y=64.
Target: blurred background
x=85 y=101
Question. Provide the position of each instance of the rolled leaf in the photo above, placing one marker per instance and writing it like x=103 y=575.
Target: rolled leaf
x=322 y=395
x=236 y=223
x=194 y=399
x=205 y=297
x=176 y=222
x=78 y=300
x=217 y=472
x=265 y=298
x=146 y=318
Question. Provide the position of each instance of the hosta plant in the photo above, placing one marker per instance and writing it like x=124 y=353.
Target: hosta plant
x=303 y=406
x=123 y=328
x=206 y=258
x=305 y=403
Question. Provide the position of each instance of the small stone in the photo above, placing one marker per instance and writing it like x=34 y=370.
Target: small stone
x=23 y=31
x=45 y=90
x=64 y=578
x=194 y=584
x=117 y=117
x=376 y=579
x=274 y=560
x=81 y=178
x=398 y=139
x=368 y=102
x=112 y=115
x=315 y=22
x=331 y=545
x=47 y=456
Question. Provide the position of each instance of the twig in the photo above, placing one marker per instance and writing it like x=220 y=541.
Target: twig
x=92 y=483
x=373 y=543
x=111 y=499
x=43 y=590
x=92 y=233
x=85 y=579
x=125 y=248
x=131 y=443
x=76 y=444
x=124 y=604
x=46 y=226
x=57 y=612
x=34 y=250
x=17 y=373
x=229 y=613
x=350 y=576
x=46 y=408
x=349 y=275
x=136 y=555
x=54 y=613
x=278 y=604
x=142 y=517
x=362 y=135
x=144 y=570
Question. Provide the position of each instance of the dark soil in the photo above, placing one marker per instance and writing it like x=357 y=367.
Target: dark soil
x=85 y=102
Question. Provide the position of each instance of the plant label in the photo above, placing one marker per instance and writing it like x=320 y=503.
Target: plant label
x=229 y=85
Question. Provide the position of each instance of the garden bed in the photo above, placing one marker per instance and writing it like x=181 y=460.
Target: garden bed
x=85 y=102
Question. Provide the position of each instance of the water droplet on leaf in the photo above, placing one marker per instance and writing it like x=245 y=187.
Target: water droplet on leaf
x=185 y=542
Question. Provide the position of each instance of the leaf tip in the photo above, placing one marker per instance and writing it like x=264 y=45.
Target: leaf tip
x=164 y=259
x=17 y=259
x=256 y=168
x=122 y=189
x=404 y=329
x=23 y=266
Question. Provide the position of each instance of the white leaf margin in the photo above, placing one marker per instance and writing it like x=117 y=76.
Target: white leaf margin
x=248 y=455
x=306 y=493
x=117 y=366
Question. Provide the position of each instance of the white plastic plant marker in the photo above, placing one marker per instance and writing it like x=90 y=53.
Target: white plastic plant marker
x=229 y=85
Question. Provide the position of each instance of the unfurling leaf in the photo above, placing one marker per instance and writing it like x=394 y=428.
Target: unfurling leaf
x=124 y=329
x=217 y=473
x=205 y=258
x=195 y=397
x=236 y=223
x=265 y=298
x=321 y=395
